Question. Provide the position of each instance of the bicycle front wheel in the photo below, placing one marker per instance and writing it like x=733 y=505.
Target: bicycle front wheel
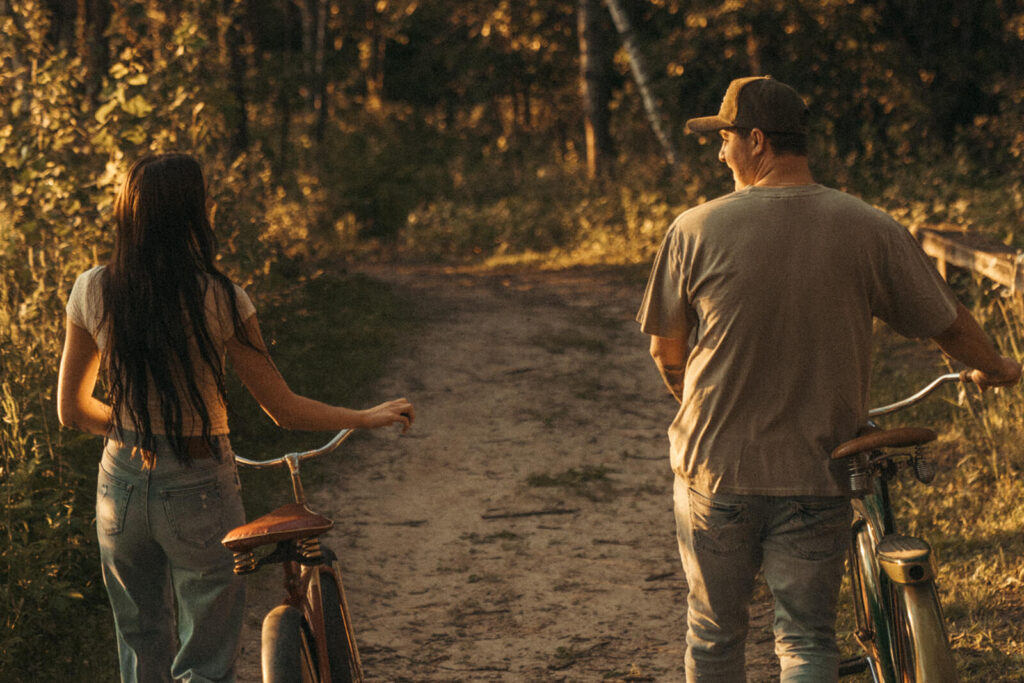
x=287 y=654
x=921 y=641
x=327 y=597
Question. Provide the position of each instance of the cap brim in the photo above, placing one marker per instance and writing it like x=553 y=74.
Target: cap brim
x=707 y=124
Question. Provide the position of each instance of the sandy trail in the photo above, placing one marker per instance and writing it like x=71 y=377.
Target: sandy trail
x=523 y=530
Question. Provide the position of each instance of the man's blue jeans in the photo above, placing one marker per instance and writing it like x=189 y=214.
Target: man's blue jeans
x=177 y=603
x=798 y=542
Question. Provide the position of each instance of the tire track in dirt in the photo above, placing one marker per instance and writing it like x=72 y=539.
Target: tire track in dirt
x=522 y=531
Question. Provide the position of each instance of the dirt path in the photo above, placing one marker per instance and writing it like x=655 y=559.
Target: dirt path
x=523 y=530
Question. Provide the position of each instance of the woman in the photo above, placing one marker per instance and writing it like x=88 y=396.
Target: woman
x=159 y=319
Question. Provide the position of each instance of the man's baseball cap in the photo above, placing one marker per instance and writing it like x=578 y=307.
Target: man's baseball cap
x=757 y=102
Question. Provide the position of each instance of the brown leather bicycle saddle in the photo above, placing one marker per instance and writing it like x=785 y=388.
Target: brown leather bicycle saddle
x=901 y=437
x=286 y=523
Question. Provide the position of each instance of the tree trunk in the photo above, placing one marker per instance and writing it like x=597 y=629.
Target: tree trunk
x=313 y=14
x=285 y=94
x=91 y=22
x=595 y=87
x=234 y=41
x=307 y=20
x=64 y=21
x=319 y=73
x=639 y=69
x=754 y=52
x=371 y=57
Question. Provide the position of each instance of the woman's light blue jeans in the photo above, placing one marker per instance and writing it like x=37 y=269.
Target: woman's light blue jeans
x=177 y=604
x=799 y=543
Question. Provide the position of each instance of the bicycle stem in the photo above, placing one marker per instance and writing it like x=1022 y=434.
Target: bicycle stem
x=292 y=460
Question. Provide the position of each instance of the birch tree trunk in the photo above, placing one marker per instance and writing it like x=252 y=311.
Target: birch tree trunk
x=639 y=69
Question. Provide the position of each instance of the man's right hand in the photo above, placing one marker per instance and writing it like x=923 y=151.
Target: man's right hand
x=1008 y=375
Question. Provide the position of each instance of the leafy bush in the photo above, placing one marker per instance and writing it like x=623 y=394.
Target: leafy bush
x=61 y=155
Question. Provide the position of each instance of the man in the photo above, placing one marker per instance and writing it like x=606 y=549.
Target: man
x=759 y=307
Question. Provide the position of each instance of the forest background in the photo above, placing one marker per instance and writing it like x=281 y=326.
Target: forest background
x=545 y=132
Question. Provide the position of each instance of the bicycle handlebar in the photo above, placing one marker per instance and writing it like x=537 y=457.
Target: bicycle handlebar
x=345 y=433
x=911 y=400
x=297 y=457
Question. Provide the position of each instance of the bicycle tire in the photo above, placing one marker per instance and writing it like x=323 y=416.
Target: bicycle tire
x=286 y=652
x=342 y=654
x=922 y=645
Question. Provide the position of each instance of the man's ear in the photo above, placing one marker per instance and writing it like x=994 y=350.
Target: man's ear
x=759 y=141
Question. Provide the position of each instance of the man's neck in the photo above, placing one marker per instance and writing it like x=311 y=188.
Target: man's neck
x=785 y=171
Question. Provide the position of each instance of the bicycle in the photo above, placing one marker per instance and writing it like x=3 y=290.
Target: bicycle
x=309 y=636
x=899 y=622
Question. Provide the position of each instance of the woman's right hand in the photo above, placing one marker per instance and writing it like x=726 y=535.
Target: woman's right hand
x=388 y=413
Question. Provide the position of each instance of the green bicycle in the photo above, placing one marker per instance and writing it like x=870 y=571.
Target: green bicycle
x=899 y=621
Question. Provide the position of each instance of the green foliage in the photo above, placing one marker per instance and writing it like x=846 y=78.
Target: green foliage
x=547 y=213
x=45 y=533
x=61 y=154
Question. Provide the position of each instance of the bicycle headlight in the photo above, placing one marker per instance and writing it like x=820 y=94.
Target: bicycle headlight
x=906 y=559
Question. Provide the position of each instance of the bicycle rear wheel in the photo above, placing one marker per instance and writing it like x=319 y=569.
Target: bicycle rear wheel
x=327 y=596
x=287 y=654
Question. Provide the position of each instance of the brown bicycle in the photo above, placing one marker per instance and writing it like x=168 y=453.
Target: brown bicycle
x=308 y=637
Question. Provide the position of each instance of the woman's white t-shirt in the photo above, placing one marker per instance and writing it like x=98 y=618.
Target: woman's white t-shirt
x=85 y=309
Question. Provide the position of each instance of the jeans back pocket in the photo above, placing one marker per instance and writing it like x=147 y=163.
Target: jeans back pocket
x=195 y=512
x=112 y=496
x=719 y=525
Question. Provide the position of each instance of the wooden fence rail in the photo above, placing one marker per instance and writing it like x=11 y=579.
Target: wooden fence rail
x=984 y=256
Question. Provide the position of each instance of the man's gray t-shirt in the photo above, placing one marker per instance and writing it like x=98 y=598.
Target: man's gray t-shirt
x=777 y=287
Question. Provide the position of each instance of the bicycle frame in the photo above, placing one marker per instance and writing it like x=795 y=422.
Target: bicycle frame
x=872 y=588
x=869 y=598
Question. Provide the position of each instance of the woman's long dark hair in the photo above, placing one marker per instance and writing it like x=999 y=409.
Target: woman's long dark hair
x=154 y=294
